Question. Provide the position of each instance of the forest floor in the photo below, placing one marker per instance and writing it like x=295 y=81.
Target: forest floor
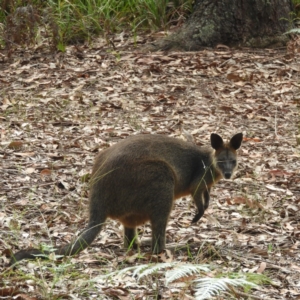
x=58 y=110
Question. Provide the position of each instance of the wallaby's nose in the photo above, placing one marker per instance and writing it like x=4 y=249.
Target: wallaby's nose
x=227 y=175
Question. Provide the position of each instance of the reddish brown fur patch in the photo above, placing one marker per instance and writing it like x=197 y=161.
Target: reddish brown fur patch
x=183 y=194
x=133 y=220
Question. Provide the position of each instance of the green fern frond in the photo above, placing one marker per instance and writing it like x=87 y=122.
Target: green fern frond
x=294 y=30
x=208 y=287
x=138 y=271
x=183 y=270
x=177 y=270
x=119 y=273
x=151 y=269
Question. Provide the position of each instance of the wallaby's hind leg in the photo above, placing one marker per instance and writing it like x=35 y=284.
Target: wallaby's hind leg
x=153 y=200
x=159 y=218
x=159 y=235
x=130 y=238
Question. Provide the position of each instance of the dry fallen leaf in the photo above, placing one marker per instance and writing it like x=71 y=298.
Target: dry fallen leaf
x=16 y=145
x=45 y=172
x=261 y=268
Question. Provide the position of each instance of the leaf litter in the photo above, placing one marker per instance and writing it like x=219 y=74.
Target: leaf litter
x=59 y=110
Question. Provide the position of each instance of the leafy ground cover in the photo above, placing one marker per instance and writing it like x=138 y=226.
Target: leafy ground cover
x=73 y=22
x=59 y=110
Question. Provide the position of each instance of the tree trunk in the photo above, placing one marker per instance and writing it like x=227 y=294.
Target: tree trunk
x=235 y=23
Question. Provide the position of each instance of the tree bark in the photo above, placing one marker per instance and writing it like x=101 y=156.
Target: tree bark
x=235 y=23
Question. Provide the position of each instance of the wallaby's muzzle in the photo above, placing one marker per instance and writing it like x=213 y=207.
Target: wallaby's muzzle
x=227 y=175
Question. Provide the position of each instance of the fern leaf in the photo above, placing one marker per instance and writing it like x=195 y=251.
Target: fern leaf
x=138 y=271
x=208 y=287
x=294 y=30
x=119 y=273
x=150 y=269
x=183 y=270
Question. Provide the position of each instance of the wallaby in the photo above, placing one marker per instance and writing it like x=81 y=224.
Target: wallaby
x=138 y=179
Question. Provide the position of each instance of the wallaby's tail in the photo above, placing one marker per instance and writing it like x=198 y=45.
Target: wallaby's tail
x=81 y=242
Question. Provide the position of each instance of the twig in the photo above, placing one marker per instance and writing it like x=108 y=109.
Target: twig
x=27 y=187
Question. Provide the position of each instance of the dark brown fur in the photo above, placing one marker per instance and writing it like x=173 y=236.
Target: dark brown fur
x=138 y=179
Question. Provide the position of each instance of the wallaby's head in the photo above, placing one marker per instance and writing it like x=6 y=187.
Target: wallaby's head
x=225 y=154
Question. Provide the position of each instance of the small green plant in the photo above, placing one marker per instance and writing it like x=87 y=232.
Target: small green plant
x=270 y=248
x=292 y=19
x=61 y=46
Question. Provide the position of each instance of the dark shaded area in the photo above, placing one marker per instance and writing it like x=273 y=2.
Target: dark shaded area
x=251 y=23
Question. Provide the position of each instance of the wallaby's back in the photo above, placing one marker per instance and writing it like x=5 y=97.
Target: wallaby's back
x=185 y=160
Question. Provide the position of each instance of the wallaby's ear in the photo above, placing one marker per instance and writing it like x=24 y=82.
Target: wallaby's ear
x=236 y=141
x=216 y=141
